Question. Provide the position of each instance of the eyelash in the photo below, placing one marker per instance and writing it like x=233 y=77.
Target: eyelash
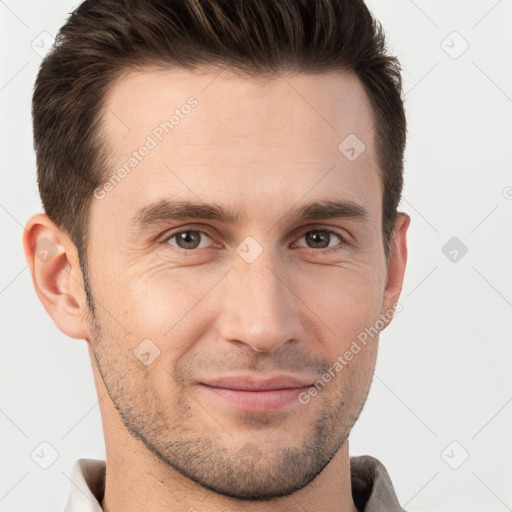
x=169 y=236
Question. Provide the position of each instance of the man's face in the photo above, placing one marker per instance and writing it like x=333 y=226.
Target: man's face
x=227 y=305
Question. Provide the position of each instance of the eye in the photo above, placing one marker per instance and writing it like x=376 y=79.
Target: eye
x=189 y=239
x=322 y=238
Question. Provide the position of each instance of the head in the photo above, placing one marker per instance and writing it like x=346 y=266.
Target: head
x=220 y=183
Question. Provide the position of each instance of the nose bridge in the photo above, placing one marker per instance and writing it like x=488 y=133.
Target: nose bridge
x=259 y=308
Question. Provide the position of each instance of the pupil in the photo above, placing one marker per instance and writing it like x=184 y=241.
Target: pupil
x=321 y=237
x=190 y=241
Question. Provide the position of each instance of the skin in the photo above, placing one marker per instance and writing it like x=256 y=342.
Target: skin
x=259 y=147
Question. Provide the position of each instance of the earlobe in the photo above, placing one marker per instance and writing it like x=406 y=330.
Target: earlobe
x=396 y=265
x=56 y=274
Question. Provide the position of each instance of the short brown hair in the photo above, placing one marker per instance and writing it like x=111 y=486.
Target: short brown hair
x=104 y=38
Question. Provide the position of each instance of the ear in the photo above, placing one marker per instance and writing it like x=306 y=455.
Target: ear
x=396 y=267
x=56 y=275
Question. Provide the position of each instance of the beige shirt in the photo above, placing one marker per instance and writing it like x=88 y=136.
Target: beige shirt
x=372 y=489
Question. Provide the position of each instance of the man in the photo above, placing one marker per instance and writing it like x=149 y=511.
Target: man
x=220 y=183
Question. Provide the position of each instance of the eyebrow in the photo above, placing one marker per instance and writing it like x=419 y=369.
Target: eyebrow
x=165 y=210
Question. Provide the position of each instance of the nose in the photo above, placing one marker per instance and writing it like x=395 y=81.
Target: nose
x=260 y=308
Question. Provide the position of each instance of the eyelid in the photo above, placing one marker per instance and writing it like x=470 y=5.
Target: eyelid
x=297 y=235
x=338 y=231
x=183 y=229
x=343 y=238
x=164 y=239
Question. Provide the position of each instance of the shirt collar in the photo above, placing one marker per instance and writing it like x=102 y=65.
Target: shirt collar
x=372 y=489
x=87 y=486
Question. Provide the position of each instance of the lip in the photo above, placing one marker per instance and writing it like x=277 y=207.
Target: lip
x=249 y=383
x=256 y=395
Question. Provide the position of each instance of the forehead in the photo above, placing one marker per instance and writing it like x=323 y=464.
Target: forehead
x=285 y=105
x=217 y=135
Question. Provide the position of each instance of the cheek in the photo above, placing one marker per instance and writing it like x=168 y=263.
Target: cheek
x=165 y=304
x=175 y=307
x=347 y=301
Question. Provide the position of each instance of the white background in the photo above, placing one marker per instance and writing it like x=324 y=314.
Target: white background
x=444 y=366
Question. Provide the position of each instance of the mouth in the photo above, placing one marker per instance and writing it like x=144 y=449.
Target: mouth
x=249 y=394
